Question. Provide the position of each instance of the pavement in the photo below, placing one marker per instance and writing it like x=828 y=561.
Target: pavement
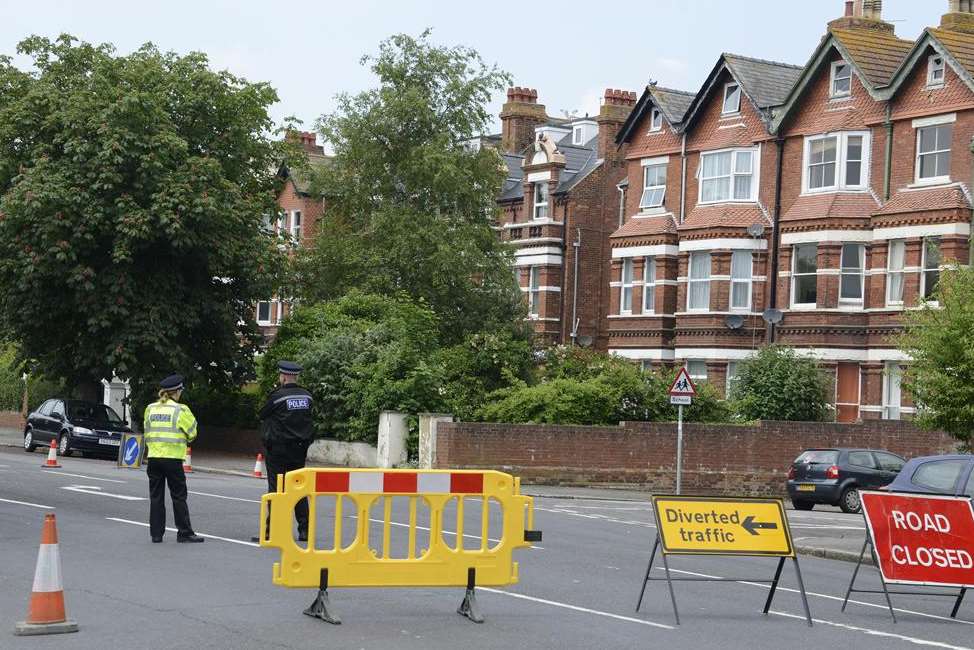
x=577 y=589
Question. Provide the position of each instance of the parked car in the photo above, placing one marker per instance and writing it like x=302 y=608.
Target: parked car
x=951 y=474
x=835 y=476
x=88 y=427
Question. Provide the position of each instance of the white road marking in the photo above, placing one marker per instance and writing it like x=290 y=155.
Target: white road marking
x=865 y=630
x=576 y=608
x=25 y=503
x=173 y=530
x=94 y=489
x=220 y=496
x=90 y=478
x=445 y=532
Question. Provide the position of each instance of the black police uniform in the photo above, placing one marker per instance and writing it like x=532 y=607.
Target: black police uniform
x=287 y=430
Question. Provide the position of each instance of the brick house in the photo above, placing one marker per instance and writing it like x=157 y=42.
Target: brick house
x=297 y=219
x=558 y=207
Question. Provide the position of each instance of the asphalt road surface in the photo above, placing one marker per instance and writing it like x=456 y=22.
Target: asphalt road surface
x=577 y=590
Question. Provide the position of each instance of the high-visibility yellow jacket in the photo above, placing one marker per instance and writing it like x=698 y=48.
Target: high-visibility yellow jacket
x=168 y=427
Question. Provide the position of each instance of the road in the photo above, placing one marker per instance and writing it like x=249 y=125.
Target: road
x=578 y=590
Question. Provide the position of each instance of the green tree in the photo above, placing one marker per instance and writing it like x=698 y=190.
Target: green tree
x=410 y=205
x=132 y=190
x=778 y=383
x=939 y=338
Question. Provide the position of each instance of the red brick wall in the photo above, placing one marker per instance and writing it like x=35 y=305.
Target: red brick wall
x=718 y=459
x=11 y=420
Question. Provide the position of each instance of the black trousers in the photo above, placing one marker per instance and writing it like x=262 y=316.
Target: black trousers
x=162 y=471
x=278 y=465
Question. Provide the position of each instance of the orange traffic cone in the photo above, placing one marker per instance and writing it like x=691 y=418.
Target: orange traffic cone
x=188 y=461
x=46 y=612
x=259 y=470
x=51 y=457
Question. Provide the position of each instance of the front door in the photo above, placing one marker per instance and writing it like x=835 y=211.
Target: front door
x=847 y=392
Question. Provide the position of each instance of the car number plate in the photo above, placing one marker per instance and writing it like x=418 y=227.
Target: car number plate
x=806 y=488
x=109 y=441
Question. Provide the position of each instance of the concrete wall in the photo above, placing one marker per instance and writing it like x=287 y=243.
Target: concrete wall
x=11 y=420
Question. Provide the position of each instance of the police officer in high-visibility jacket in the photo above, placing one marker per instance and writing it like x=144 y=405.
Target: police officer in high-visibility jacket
x=168 y=427
x=287 y=429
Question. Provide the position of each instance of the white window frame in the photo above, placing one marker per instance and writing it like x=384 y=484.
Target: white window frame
x=268 y=320
x=539 y=209
x=649 y=285
x=653 y=163
x=795 y=276
x=577 y=134
x=932 y=180
x=732 y=375
x=861 y=272
x=748 y=281
x=933 y=68
x=297 y=223
x=892 y=388
x=655 y=120
x=626 y=286
x=280 y=310
x=832 y=79
x=696 y=376
x=923 y=264
x=894 y=272
x=703 y=280
x=841 y=162
x=723 y=106
x=534 y=291
x=755 y=176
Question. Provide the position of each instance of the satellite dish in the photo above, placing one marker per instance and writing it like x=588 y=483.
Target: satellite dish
x=585 y=341
x=734 y=322
x=773 y=316
x=755 y=229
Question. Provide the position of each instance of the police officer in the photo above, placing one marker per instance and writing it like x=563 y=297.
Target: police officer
x=168 y=427
x=287 y=431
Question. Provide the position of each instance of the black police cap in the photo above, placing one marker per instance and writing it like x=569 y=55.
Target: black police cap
x=172 y=382
x=288 y=367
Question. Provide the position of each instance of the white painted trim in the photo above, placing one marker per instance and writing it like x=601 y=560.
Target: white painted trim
x=707 y=312
x=642 y=315
x=824 y=236
x=538 y=260
x=657 y=250
x=658 y=160
x=947 y=118
x=653 y=354
x=533 y=222
x=710 y=354
x=534 y=177
x=529 y=289
x=933 y=230
x=858 y=354
x=730 y=243
x=537 y=250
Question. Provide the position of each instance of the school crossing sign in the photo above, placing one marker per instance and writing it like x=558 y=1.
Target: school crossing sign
x=682 y=391
x=722 y=526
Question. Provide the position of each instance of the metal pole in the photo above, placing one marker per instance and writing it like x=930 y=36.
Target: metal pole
x=679 y=449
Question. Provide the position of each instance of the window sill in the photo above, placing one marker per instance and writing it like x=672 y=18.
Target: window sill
x=740 y=201
x=835 y=99
x=835 y=190
x=651 y=212
x=804 y=307
x=929 y=182
x=728 y=116
x=939 y=86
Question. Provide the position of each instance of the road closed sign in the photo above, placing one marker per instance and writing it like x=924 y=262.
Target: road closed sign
x=722 y=526
x=922 y=539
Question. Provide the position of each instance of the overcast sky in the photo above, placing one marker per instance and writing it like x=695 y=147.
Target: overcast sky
x=569 y=51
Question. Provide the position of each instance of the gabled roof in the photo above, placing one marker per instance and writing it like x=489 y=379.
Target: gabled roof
x=300 y=177
x=957 y=49
x=673 y=103
x=765 y=83
x=512 y=188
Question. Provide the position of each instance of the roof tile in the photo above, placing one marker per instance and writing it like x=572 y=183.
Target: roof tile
x=834 y=204
x=724 y=215
x=876 y=54
x=933 y=198
x=646 y=226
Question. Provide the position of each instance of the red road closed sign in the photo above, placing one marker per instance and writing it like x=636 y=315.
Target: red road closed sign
x=922 y=539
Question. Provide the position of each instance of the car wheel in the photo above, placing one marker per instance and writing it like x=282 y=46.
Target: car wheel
x=802 y=505
x=64 y=445
x=849 y=501
x=29 y=444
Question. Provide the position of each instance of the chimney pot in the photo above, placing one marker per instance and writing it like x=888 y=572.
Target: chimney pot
x=848 y=8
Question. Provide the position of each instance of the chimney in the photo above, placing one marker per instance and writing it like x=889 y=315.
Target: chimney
x=864 y=15
x=616 y=106
x=307 y=140
x=959 y=16
x=519 y=115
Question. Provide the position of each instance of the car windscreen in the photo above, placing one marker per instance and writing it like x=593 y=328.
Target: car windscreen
x=92 y=413
x=815 y=456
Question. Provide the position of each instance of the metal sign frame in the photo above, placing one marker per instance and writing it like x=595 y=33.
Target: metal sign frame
x=669 y=579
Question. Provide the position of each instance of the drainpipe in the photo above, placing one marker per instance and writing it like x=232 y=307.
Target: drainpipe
x=889 y=152
x=577 y=244
x=622 y=205
x=683 y=176
x=775 y=235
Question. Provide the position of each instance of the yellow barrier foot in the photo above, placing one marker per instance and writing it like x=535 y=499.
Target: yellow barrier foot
x=321 y=607
x=469 y=607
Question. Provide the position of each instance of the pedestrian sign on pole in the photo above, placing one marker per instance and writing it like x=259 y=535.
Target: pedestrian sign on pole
x=722 y=526
x=683 y=386
x=130 y=451
x=682 y=392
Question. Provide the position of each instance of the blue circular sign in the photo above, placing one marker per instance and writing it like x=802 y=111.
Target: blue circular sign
x=131 y=453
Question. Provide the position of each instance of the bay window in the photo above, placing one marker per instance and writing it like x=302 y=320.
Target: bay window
x=697 y=369
x=895 y=262
x=625 y=297
x=534 y=290
x=804 y=275
x=741 y=278
x=852 y=265
x=836 y=161
x=649 y=285
x=892 y=390
x=931 y=267
x=728 y=176
x=541 y=200
x=698 y=289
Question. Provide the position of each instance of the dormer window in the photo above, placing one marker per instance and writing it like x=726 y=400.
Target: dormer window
x=541 y=200
x=577 y=134
x=732 y=99
x=841 y=79
x=539 y=158
x=935 y=70
x=655 y=120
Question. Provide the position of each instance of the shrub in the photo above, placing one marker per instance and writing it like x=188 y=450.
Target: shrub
x=778 y=383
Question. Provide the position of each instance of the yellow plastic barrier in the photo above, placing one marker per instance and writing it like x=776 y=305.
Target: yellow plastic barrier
x=357 y=564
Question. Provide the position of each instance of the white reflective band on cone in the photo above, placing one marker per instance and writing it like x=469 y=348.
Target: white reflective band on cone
x=47 y=572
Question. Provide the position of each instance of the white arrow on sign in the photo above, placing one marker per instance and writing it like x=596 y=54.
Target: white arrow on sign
x=94 y=489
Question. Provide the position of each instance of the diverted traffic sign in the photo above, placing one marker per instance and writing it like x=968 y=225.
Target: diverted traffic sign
x=683 y=386
x=922 y=539
x=722 y=526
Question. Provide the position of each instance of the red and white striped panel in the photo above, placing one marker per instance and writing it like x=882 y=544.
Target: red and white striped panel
x=399 y=482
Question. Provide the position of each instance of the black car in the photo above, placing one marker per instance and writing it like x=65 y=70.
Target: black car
x=835 y=476
x=91 y=428
x=951 y=474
